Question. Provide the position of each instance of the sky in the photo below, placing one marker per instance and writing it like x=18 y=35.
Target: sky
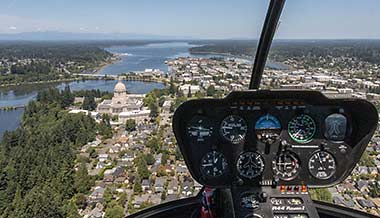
x=301 y=19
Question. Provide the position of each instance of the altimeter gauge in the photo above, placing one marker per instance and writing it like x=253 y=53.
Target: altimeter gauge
x=213 y=164
x=322 y=165
x=286 y=166
x=233 y=128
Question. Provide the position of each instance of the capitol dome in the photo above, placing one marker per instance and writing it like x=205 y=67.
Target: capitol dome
x=120 y=87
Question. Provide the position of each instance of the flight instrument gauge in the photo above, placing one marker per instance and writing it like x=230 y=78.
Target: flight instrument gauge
x=302 y=128
x=268 y=129
x=233 y=128
x=322 y=165
x=213 y=164
x=250 y=165
x=286 y=166
x=200 y=129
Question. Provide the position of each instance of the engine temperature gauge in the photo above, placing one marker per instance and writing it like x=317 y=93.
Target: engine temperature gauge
x=322 y=165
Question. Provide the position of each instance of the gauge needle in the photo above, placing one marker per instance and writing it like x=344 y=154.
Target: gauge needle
x=320 y=160
x=207 y=165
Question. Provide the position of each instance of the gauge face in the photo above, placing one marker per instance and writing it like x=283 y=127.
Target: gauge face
x=335 y=127
x=213 y=164
x=286 y=166
x=200 y=129
x=322 y=165
x=250 y=165
x=268 y=129
x=233 y=129
x=302 y=128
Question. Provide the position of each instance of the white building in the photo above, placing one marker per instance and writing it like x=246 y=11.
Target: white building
x=121 y=101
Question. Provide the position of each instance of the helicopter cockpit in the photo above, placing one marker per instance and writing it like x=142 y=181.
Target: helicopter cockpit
x=258 y=152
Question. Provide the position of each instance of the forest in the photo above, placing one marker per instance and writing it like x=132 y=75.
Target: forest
x=43 y=61
x=363 y=50
x=40 y=174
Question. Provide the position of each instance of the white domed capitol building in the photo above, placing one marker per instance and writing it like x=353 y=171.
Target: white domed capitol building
x=126 y=106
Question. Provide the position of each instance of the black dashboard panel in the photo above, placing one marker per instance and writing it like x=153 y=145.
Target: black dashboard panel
x=273 y=138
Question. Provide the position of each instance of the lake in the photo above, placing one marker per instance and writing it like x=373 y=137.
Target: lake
x=22 y=95
x=132 y=58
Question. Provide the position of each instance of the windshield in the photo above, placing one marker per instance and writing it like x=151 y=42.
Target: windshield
x=88 y=90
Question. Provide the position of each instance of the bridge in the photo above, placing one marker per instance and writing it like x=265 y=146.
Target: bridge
x=131 y=77
x=14 y=107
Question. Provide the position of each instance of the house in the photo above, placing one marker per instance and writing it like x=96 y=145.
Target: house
x=362 y=170
x=116 y=148
x=95 y=213
x=108 y=179
x=155 y=199
x=187 y=188
x=181 y=169
x=103 y=157
x=362 y=186
x=128 y=157
x=97 y=195
x=365 y=203
x=173 y=187
x=372 y=170
x=115 y=172
x=139 y=200
x=197 y=187
x=145 y=185
x=159 y=184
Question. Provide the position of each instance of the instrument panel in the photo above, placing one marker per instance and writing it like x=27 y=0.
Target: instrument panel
x=273 y=137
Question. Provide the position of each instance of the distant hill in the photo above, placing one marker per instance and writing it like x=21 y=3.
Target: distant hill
x=59 y=36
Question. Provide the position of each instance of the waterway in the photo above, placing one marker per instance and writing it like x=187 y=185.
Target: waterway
x=132 y=58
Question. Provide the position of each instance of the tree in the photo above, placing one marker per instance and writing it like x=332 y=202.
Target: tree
x=71 y=210
x=107 y=196
x=83 y=182
x=153 y=110
x=137 y=188
x=80 y=200
x=189 y=95
x=89 y=103
x=321 y=194
x=67 y=97
x=165 y=158
x=115 y=211
x=149 y=158
x=130 y=125
x=210 y=90
x=105 y=128
x=374 y=189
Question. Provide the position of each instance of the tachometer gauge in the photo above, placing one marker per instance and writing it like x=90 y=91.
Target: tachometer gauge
x=213 y=164
x=268 y=129
x=233 y=129
x=250 y=165
x=200 y=129
x=322 y=165
x=302 y=128
x=286 y=166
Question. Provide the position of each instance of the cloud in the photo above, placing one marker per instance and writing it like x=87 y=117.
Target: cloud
x=11 y=24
